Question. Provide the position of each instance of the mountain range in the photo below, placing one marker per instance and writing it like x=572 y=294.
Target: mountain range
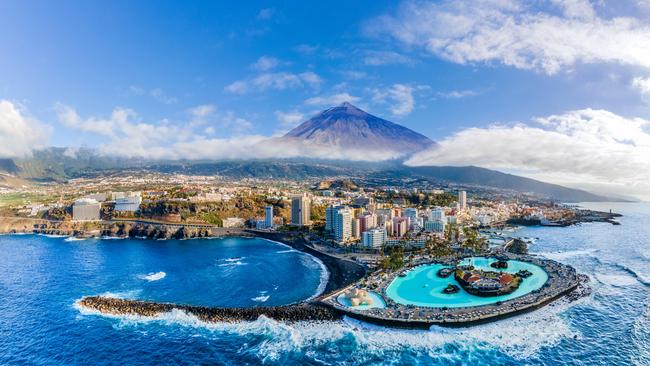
x=341 y=127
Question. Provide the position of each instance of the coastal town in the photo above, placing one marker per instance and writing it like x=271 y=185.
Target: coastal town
x=395 y=255
x=339 y=212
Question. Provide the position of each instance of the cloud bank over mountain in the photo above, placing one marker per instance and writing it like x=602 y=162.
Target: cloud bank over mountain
x=591 y=148
x=607 y=151
x=19 y=134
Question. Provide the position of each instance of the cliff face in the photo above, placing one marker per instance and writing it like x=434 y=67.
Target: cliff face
x=114 y=229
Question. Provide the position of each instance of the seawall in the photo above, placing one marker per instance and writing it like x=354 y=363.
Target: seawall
x=289 y=313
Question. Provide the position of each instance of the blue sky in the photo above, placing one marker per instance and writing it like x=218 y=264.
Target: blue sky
x=99 y=74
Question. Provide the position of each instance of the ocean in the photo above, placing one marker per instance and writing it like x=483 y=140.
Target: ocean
x=41 y=278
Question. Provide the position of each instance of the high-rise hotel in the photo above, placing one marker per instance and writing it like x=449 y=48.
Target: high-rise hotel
x=300 y=210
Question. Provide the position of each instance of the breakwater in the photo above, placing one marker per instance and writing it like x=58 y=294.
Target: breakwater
x=289 y=313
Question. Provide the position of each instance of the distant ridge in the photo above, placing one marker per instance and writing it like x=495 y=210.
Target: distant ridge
x=348 y=127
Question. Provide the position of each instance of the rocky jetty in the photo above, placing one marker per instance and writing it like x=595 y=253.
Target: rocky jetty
x=517 y=246
x=289 y=313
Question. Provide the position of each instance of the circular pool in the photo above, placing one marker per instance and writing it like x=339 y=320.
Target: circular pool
x=377 y=302
x=422 y=287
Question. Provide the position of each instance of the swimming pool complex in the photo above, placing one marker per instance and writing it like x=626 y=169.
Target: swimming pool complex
x=422 y=287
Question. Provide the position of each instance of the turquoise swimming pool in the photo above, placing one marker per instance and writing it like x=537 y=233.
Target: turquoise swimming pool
x=423 y=287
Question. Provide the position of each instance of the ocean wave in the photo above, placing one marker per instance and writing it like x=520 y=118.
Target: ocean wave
x=286 y=251
x=153 y=276
x=72 y=238
x=639 y=277
x=53 y=235
x=520 y=337
x=232 y=264
x=559 y=256
x=641 y=338
x=324 y=278
x=128 y=294
x=261 y=298
x=235 y=259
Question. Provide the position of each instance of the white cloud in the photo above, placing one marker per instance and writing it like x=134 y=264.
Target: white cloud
x=332 y=100
x=642 y=85
x=289 y=119
x=594 y=147
x=378 y=58
x=399 y=96
x=517 y=33
x=265 y=63
x=275 y=81
x=71 y=152
x=130 y=137
x=100 y=126
x=19 y=134
x=457 y=94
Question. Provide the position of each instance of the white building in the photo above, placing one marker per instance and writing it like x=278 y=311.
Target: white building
x=462 y=200
x=86 y=209
x=374 y=238
x=127 y=201
x=343 y=225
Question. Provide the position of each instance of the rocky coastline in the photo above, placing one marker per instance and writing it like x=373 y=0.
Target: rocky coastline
x=116 y=229
x=342 y=274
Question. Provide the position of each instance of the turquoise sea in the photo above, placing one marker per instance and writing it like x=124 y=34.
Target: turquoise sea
x=41 y=278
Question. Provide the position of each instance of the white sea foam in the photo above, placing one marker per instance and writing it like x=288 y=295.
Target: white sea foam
x=641 y=338
x=324 y=275
x=559 y=256
x=72 y=238
x=324 y=278
x=232 y=264
x=153 y=276
x=53 y=236
x=261 y=298
x=286 y=251
x=128 y=294
x=520 y=337
x=616 y=280
x=236 y=259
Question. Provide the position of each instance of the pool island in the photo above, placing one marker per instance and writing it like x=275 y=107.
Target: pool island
x=457 y=292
